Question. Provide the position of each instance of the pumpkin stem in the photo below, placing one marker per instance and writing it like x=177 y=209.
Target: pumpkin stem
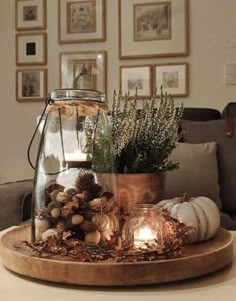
x=185 y=198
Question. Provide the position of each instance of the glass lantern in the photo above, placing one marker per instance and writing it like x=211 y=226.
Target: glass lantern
x=75 y=184
x=144 y=227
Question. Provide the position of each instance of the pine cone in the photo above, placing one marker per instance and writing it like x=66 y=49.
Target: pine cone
x=95 y=190
x=84 y=181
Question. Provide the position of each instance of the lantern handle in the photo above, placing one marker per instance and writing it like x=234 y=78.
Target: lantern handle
x=47 y=102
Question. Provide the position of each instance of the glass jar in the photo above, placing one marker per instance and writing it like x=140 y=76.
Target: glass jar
x=143 y=227
x=75 y=184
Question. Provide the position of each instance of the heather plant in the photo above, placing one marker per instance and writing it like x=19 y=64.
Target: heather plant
x=142 y=139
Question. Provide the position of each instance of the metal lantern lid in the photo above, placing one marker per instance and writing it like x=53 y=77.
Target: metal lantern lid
x=77 y=94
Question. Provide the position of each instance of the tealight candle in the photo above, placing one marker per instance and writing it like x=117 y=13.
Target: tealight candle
x=144 y=235
x=76 y=156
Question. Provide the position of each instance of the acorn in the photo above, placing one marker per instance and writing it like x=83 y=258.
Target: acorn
x=74 y=220
x=52 y=187
x=54 y=208
x=80 y=201
x=82 y=197
x=77 y=219
x=88 y=226
x=100 y=205
x=67 y=210
x=87 y=196
x=92 y=238
x=49 y=232
x=96 y=204
x=63 y=197
x=70 y=191
x=53 y=195
x=55 y=212
x=54 y=204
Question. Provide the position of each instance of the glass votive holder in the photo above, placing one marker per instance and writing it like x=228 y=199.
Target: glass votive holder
x=143 y=227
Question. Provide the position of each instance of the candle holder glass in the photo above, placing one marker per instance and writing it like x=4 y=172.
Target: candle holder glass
x=143 y=227
x=75 y=185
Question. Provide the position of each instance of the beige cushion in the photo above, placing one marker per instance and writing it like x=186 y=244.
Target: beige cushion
x=198 y=173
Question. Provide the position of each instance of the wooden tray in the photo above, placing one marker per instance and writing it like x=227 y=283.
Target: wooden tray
x=198 y=259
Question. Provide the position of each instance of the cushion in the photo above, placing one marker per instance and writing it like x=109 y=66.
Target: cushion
x=11 y=202
x=198 y=172
x=201 y=132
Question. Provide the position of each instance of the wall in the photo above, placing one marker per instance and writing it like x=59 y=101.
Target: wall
x=212 y=44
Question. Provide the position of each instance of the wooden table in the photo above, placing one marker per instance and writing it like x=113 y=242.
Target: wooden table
x=218 y=286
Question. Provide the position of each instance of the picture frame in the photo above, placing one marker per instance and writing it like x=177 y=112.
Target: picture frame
x=31 y=84
x=173 y=78
x=81 y=21
x=157 y=28
x=31 y=49
x=136 y=78
x=30 y=14
x=83 y=70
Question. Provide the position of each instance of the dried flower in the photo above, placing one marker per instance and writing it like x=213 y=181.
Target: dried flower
x=143 y=140
x=113 y=250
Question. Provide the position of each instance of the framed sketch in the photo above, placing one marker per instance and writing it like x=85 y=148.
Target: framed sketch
x=173 y=78
x=31 y=84
x=30 y=14
x=136 y=78
x=81 y=21
x=83 y=70
x=31 y=49
x=157 y=28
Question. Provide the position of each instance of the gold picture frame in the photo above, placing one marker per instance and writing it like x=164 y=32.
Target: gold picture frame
x=30 y=14
x=81 y=21
x=157 y=28
x=136 y=78
x=83 y=70
x=173 y=78
x=31 y=84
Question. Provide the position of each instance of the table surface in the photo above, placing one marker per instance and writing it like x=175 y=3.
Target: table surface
x=217 y=286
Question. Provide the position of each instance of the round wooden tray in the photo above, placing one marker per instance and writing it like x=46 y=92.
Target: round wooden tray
x=198 y=259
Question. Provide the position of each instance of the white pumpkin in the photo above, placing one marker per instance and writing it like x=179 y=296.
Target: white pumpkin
x=200 y=213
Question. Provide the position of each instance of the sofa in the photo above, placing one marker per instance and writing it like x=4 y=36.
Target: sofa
x=210 y=139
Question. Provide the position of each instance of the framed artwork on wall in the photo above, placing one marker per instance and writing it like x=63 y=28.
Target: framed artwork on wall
x=31 y=84
x=173 y=78
x=30 y=14
x=136 y=78
x=83 y=70
x=31 y=49
x=82 y=21
x=157 y=28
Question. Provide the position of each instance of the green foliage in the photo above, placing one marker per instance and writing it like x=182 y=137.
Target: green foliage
x=142 y=139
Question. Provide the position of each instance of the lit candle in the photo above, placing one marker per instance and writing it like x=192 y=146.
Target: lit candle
x=144 y=235
x=76 y=156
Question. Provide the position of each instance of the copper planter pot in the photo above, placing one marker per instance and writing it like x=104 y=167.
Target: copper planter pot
x=140 y=188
